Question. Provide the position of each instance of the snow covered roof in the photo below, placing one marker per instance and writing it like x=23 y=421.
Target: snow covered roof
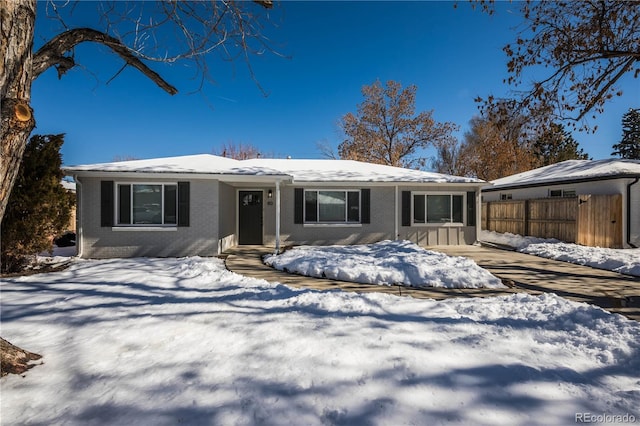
x=296 y=170
x=69 y=186
x=351 y=171
x=570 y=171
x=202 y=163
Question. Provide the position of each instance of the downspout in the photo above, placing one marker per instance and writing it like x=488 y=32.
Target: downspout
x=277 y=217
x=395 y=229
x=79 y=210
x=629 y=211
x=478 y=202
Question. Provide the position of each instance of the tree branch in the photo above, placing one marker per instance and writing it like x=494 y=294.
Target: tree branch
x=626 y=66
x=52 y=54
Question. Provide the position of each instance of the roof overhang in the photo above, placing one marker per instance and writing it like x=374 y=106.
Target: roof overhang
x=178 y=175
x=558 y=182
x=387 y=183
x=256 y=178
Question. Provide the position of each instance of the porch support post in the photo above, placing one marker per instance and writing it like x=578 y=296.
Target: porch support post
x=277 y=217
x=479 y=214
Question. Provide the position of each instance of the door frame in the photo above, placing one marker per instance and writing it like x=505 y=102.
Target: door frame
x=237 y=209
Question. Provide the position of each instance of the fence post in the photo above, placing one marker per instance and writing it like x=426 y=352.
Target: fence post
x=487 y=216
x=527 y=215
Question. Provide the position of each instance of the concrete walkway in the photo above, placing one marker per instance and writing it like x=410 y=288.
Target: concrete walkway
x=525 y=273
x=247 y=260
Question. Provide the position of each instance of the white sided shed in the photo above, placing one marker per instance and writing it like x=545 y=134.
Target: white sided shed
x=576 y=178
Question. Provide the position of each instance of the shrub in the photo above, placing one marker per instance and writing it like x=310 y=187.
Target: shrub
x=39 y=208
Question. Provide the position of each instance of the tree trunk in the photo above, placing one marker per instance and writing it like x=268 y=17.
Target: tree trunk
x=17 y=20
x=14 y=360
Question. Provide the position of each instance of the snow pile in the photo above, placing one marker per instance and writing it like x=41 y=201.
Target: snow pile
x=183 y=341
x=624 y=261
x=57 y=256
x=513 y=240
x=386 y=263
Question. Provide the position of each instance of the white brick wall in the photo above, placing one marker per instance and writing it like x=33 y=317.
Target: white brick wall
x=200 y=238
x=213 y=222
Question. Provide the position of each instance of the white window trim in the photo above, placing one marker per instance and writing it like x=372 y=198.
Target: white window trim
x=153 y=228
x=332 y=225
x=562 y=193
x=141 y=226
x=440 y=225
x=345 y=223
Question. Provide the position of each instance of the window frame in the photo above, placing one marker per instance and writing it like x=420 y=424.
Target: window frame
x=451 y=223
x=345 y=221
x=564 y=193
x=116 y=213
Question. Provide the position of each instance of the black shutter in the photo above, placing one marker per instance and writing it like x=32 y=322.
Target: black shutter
x=471 y=208
x=183 y=203
x=365 y=204
x=298 y=205
x=124 y=206
x=106 y=203
x=406 y=208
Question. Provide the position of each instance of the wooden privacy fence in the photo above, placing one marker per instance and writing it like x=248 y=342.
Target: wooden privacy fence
x=594 y=220
x=600 y=220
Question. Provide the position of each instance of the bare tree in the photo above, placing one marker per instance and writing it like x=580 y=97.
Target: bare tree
x=238 y=151
x=326 y=150
x=449 y=158
x=139 y=33
x=588 y=47
x=120 y=158
x=498 y=143
x=386 y=130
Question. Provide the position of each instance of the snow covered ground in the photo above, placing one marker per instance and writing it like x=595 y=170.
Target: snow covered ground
x=624 y=261
x=386 y=263
x=58 y=256
x=184 y=341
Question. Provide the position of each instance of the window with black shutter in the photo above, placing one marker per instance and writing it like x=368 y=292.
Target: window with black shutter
x=148 y=204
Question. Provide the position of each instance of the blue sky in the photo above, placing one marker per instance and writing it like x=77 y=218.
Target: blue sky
x=332 y=49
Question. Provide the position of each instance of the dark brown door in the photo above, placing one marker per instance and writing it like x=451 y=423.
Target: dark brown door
x=250 y=217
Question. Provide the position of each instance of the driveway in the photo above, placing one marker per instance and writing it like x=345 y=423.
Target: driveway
x=610 y=290
x=247 y=260
x=525 y=273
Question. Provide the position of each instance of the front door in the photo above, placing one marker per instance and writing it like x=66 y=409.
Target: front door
x=250 y=217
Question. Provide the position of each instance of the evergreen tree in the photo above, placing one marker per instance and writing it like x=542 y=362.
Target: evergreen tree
x=39 y=207
x=555 y=145
x=629 y=146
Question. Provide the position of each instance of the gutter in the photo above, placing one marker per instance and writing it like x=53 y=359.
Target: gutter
x=505 y=187
x=637 y=178
x=222 y=177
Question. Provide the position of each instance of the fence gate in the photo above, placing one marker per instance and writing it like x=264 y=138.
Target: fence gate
x=600 y=220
